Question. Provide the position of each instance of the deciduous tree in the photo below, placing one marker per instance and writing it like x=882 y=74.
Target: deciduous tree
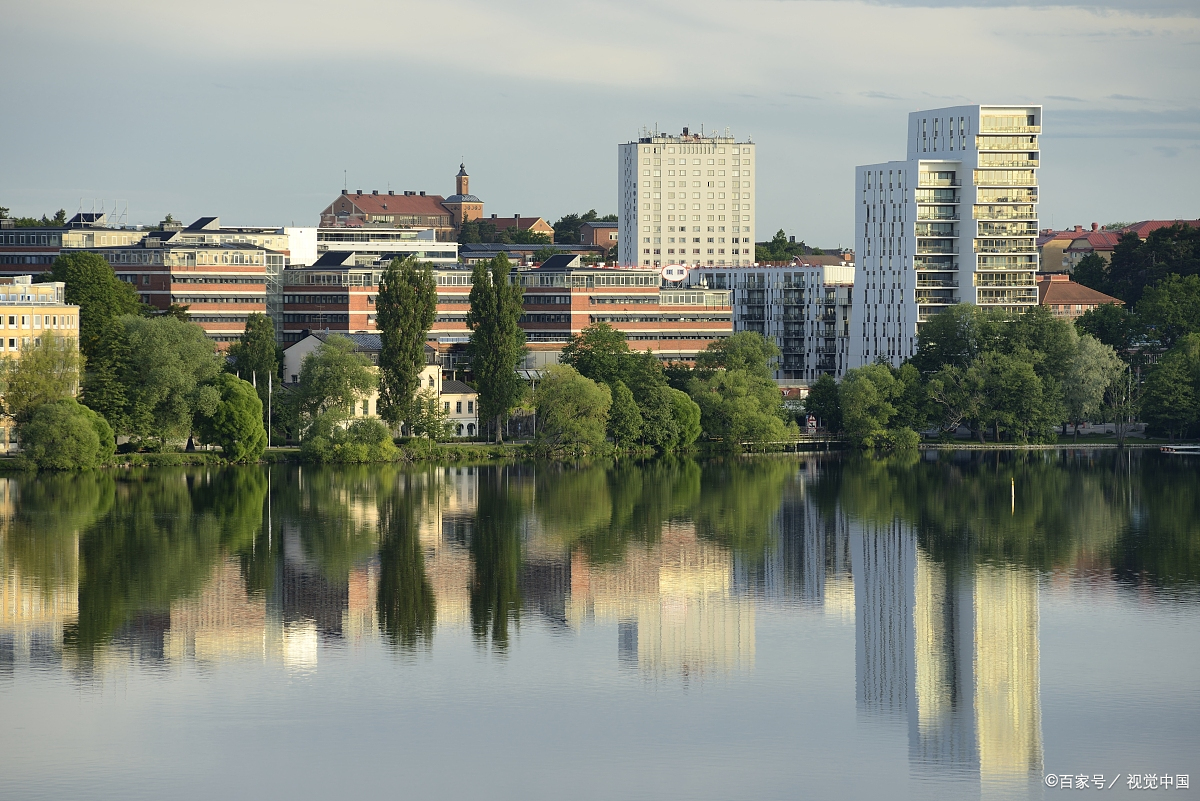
x=236 y=422
x=406 y=307
x=497 y=343
x=47 y=371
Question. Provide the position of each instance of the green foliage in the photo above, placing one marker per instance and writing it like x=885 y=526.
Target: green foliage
x=866 y=396
x=686 y=417
x=256 y=355
x=566 y=230
x=428 y=419
x=739 y=406
x=747 y=350
x=1093 y=369
x=486 y=230
x=1171 y=402
x=332 y=378
x=236 y=422
x=58 y=220
x=46 y=372
x=1170 y=309
x=572 y=412
x=823 y=402
x=780 y=249
x=92 y=285
x=624 y=417
x=169 y=365
x=1111 y=324
x=495 y=595
x=63 y=435
x=497 y=344
x=1137 y=265
x=406 y=307
x=365 y=439
x=598 y=352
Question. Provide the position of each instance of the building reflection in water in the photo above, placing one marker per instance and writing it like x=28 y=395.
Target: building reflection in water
x=673 y=603
x=952 y=649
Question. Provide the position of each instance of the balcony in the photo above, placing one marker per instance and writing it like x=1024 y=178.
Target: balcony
x=936 y=248
x=1010 y=162
x=924 y=213
x=1005 y=246
x=944 y=230
x=936 y=196
x=925 y=283
x=925 y=183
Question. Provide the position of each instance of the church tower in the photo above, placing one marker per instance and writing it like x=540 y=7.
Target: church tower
x=463 y=206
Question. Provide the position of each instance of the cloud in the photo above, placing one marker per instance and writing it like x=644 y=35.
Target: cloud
x=1127 y=97
x=1167 y=151
x=880 y=95
x=1066 y=98
x=1158 y=8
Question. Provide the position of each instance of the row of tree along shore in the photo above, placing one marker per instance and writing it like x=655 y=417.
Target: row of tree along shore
x=154 y=381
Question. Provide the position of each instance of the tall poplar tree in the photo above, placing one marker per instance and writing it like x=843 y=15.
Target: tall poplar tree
x=497 y=340
x=405 y=309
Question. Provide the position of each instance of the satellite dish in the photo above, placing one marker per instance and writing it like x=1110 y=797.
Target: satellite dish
x=674 y=273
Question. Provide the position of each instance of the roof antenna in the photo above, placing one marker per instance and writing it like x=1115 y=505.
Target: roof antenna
x=345 y=183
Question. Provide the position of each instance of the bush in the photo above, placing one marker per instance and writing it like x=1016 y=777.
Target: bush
x=236 y=422
x=64 y=435
x=364 y=440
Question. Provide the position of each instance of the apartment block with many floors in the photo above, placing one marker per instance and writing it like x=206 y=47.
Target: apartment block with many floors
x=29 y=311
x=804 y=308
x=956 y=222
x=686 y=199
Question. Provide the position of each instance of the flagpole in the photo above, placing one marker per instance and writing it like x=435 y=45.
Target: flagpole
x=270 y=384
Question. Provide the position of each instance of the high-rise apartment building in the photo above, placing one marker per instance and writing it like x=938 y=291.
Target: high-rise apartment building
x=954 y=223
x=686 y=199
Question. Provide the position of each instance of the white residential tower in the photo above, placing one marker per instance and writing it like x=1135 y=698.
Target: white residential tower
x=686 y=199
x=954 y=223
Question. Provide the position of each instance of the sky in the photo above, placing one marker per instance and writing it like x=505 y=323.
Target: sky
x=260 y=111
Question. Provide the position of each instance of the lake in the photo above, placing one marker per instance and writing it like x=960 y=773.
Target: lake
x=949 y=625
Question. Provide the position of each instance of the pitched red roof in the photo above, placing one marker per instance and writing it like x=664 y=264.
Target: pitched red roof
x=1058 y=290
x=1096 y=240
x=1144 y=228
x=523 y=223
x=354 y=203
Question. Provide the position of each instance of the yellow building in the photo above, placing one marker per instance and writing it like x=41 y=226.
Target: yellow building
x=27 y=311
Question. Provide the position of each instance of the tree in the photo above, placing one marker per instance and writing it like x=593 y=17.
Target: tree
x=406 y=307
x=1013 y=398
x=1171 y=401
x=572 y=412
x=364 y=440
x=746 y=350
x=911 y=402
x=256 y=355
x=1138 y=264
x=1111 y=324
x=47 y=371
x=1092 y=271
x=951 y=337
x=822 y=402
x=497 y=343
x=598 y=352
x=332 y=378
x=103 y=299
x=740 y=406
x=236 y=422
x=1170 y=309
x=63 y=435
x=686 y=415
x=865 y=397
x=166 y=375
x=624 y=417
x=566 y=230
x=1093 y=369
x=955 y=397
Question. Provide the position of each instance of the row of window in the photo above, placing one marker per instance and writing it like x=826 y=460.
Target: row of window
x=251 y=299
x=52 y=321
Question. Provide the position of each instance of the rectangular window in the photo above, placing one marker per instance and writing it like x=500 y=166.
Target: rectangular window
x=458 y=407
x=446 y=408
x=470 y=407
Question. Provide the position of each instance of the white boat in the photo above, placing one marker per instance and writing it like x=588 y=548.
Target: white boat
x=1181 y=449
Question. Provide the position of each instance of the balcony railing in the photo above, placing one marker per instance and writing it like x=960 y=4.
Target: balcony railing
x=927 y=284
x=923 y=215
x=929 y=249
x=1026 y=162
x=925 y=183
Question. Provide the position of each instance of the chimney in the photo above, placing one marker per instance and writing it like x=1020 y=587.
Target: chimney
x=1095 y=226
x=391 y=191
x=685 y=130
x=1078 y=228
x=358 y=192
x=343 y=191
x=792 y=239
x=422 y=193
x=493 y=216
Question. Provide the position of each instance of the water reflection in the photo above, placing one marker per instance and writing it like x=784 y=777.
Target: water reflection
x=937 y=562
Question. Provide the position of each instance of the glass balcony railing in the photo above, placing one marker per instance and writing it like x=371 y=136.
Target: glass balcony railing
x=930 y=248
x=1006 y=143
x=1004 y=213
x=924 y=283
x=1008 y=160
x=937 y=213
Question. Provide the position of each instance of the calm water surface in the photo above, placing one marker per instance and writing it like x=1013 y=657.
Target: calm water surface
x=963 y=626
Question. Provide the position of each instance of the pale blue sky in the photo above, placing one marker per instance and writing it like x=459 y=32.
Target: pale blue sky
x=251 y=110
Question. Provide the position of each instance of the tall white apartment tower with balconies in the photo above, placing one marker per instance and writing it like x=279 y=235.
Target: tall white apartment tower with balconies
x=686 y=199
x=954 y=223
